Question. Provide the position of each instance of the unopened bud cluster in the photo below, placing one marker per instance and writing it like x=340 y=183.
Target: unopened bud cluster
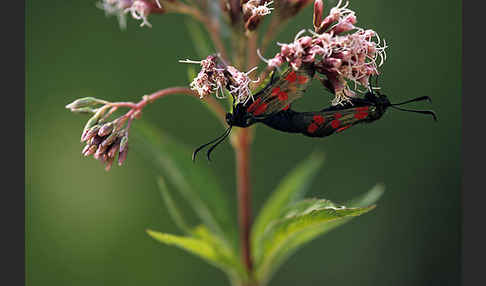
x=104 y=139
x=340 y=57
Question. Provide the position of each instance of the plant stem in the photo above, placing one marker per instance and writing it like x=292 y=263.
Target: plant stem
x=241 y=145
x=136 y=108
x=242 y=150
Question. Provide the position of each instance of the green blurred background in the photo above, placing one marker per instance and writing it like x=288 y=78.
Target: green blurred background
x=85 y=226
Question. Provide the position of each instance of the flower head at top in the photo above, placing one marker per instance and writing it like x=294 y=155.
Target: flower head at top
x=338 y=55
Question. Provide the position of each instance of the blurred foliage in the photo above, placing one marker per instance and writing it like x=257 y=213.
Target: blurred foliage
x=284 y=225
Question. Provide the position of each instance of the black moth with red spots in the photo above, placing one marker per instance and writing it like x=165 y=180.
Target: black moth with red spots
x=330 y=120
x=318 y=123
x=327 y=121
x=271 y=106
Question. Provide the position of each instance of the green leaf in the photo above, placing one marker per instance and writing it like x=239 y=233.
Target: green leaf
x=193 y=245
x=195 y=182
x=206 y=246
x=292 y=188
x=229 y=258
x=297 y=240
x=306 y=206
x=368 y=198
x=284 y=236
x=174 y=212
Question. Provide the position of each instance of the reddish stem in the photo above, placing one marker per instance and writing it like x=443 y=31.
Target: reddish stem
x=242 y=150
x=136 y=108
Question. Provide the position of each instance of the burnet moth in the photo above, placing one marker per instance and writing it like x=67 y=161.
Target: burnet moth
x=271 y=106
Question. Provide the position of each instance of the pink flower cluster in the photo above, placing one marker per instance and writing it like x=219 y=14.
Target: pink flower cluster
x=138 y=9
x=253 y=11
x=340 y=57
x=217 y=77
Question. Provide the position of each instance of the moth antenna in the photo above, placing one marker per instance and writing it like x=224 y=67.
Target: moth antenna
x=194 y=154
x=415 y=99
x=430 y=112
x=208 y=154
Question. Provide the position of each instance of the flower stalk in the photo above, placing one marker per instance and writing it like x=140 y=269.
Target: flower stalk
x=242 y=149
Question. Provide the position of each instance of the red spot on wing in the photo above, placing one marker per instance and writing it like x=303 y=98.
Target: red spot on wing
x=260 y=109
x=312 y=128
x=318 y=119
x=301 y=79
x=286 y=107
x=254 y=105
x=361 y=112
x=362 y=109
x=291 y=77
x=343 y=128
x=360 y=115
x=275 y=91
x=335 y=123
x=338 y=115
x=283 y=96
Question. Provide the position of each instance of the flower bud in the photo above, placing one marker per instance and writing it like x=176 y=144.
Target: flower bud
x=109 y=163
x=332 y=62
x=83 y=110
x=123 y=143
x=327 y=23
x=90 y=133
x=122 y=156
x=110 y=139
x=277 y=61
x=252 y=23
x=103 y=157
x=318 y=12
x=85 y=148
x=305 y=41
x=95 y=118
x=95 y=140
x=285 y=50
x=89 y=151
x=100 y=152
x=113 y=149
x=342 y=27
x=83 y=103
x=106 y=129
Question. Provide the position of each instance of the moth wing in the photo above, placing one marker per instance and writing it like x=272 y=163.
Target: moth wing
x=326 y=122
x=280 y=93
